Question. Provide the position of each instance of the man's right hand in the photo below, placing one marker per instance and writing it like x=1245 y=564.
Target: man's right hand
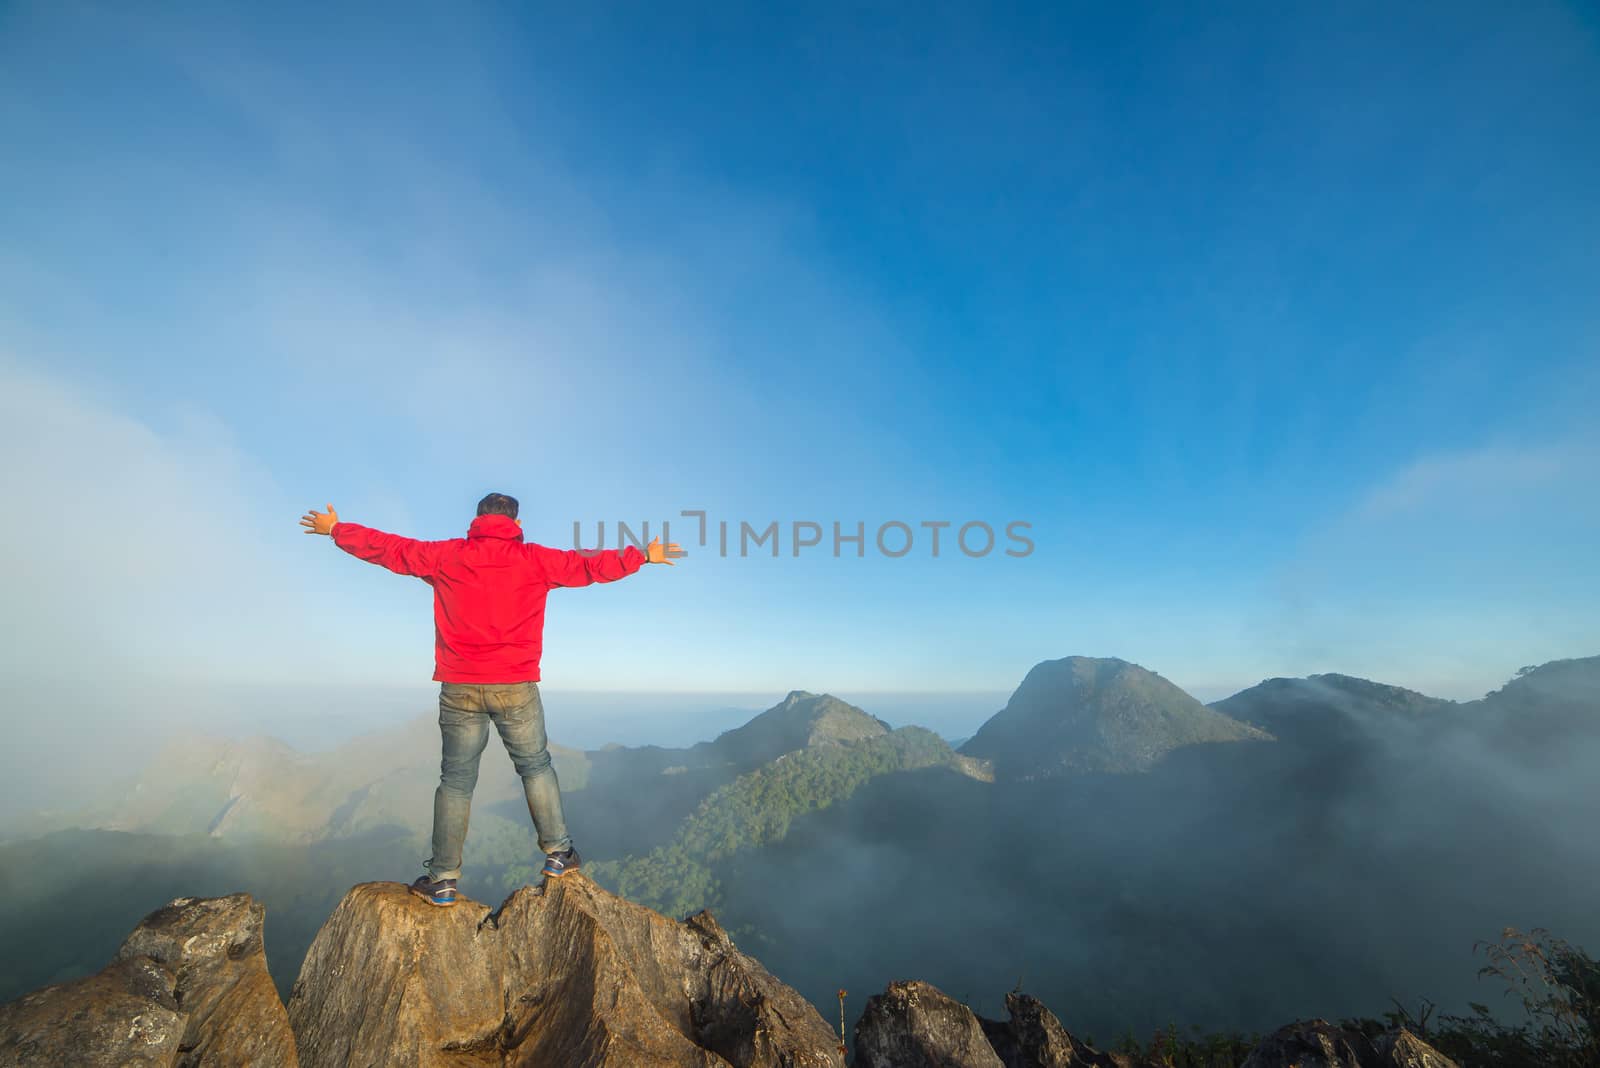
x=656 y=553
x=317 y=522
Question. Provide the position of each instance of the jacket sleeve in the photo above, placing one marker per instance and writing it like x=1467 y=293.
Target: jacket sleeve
x=568 y=567
x=403 y=556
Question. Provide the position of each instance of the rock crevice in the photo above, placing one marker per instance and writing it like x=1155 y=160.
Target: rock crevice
x=568 y=975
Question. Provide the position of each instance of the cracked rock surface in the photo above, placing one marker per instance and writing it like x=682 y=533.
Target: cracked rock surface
x=188 y=988
x=569 y=975
x=916 y=1023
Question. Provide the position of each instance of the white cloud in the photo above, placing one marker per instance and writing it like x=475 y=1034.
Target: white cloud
x=1449 y=573
x=135 y=550
x=1473 y=480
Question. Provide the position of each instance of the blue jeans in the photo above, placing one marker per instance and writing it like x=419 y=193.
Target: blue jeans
x=465 y=711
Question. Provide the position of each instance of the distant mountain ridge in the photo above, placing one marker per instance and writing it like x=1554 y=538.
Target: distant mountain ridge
x=1331 y=704
x=1569 y=685
x=1086 y=714
x=1068 y=716
x=1555 y=698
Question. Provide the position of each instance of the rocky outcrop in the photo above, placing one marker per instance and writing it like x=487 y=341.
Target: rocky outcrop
x=1034 y=1038
x=1320 y=1044
x=213 y=947
x=568 y=975
x=188 y=988
x=124 y=1015
x=915 y=1023
x=389 y=976
x=1313 y=1044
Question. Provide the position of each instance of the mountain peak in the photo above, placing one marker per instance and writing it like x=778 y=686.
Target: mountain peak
x=801 y=720
x=1319 y=708
x=1553 y=700
x=1082 y=713
x=1559 y=679
x=1379 y=693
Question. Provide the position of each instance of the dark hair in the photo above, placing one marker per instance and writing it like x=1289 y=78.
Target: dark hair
x=498 y=504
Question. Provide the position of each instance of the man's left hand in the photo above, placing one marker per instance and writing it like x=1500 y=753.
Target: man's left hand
x=317 y=522
x=656 y=553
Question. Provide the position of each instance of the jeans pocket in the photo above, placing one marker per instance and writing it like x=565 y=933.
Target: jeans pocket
x=459 y=698
x=508 y=700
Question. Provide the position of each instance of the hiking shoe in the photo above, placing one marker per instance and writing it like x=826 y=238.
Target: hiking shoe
x=435 y=891
x=558 y=864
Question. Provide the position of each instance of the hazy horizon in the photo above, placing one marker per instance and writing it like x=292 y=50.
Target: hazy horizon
x=59 y=769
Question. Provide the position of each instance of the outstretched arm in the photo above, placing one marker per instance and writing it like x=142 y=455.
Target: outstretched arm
x=403 y=556
x=572 y=568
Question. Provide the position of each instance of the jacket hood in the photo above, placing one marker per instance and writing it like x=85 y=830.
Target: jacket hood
x=494 y=526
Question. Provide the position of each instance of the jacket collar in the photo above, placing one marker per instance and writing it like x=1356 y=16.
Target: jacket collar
x=494 y=526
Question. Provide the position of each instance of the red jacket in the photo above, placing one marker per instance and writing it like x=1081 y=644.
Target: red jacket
x=488 y=591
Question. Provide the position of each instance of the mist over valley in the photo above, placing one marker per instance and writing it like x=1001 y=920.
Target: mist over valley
x=1104 y=842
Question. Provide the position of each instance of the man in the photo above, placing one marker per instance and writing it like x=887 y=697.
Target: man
x=488 y=612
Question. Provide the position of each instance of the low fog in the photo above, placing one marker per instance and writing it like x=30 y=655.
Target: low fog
x=1236 y=885
x=1355 y=859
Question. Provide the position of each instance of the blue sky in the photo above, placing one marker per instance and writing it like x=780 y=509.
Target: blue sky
x=1277 y=324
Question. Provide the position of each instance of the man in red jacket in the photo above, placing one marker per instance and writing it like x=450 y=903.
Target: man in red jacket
x=489 y=591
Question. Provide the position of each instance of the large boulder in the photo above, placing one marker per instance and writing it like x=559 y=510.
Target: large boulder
x=567 y=974
x=390 y=979
x=189 y=988
x=125 y=1014
x=915 y=1023
x=213 y=948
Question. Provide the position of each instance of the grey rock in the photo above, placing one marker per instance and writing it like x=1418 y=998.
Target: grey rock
x=745 y=1014
x=125 y=1014
x=916 y=1025
x=188 y=989
x=213 y=948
